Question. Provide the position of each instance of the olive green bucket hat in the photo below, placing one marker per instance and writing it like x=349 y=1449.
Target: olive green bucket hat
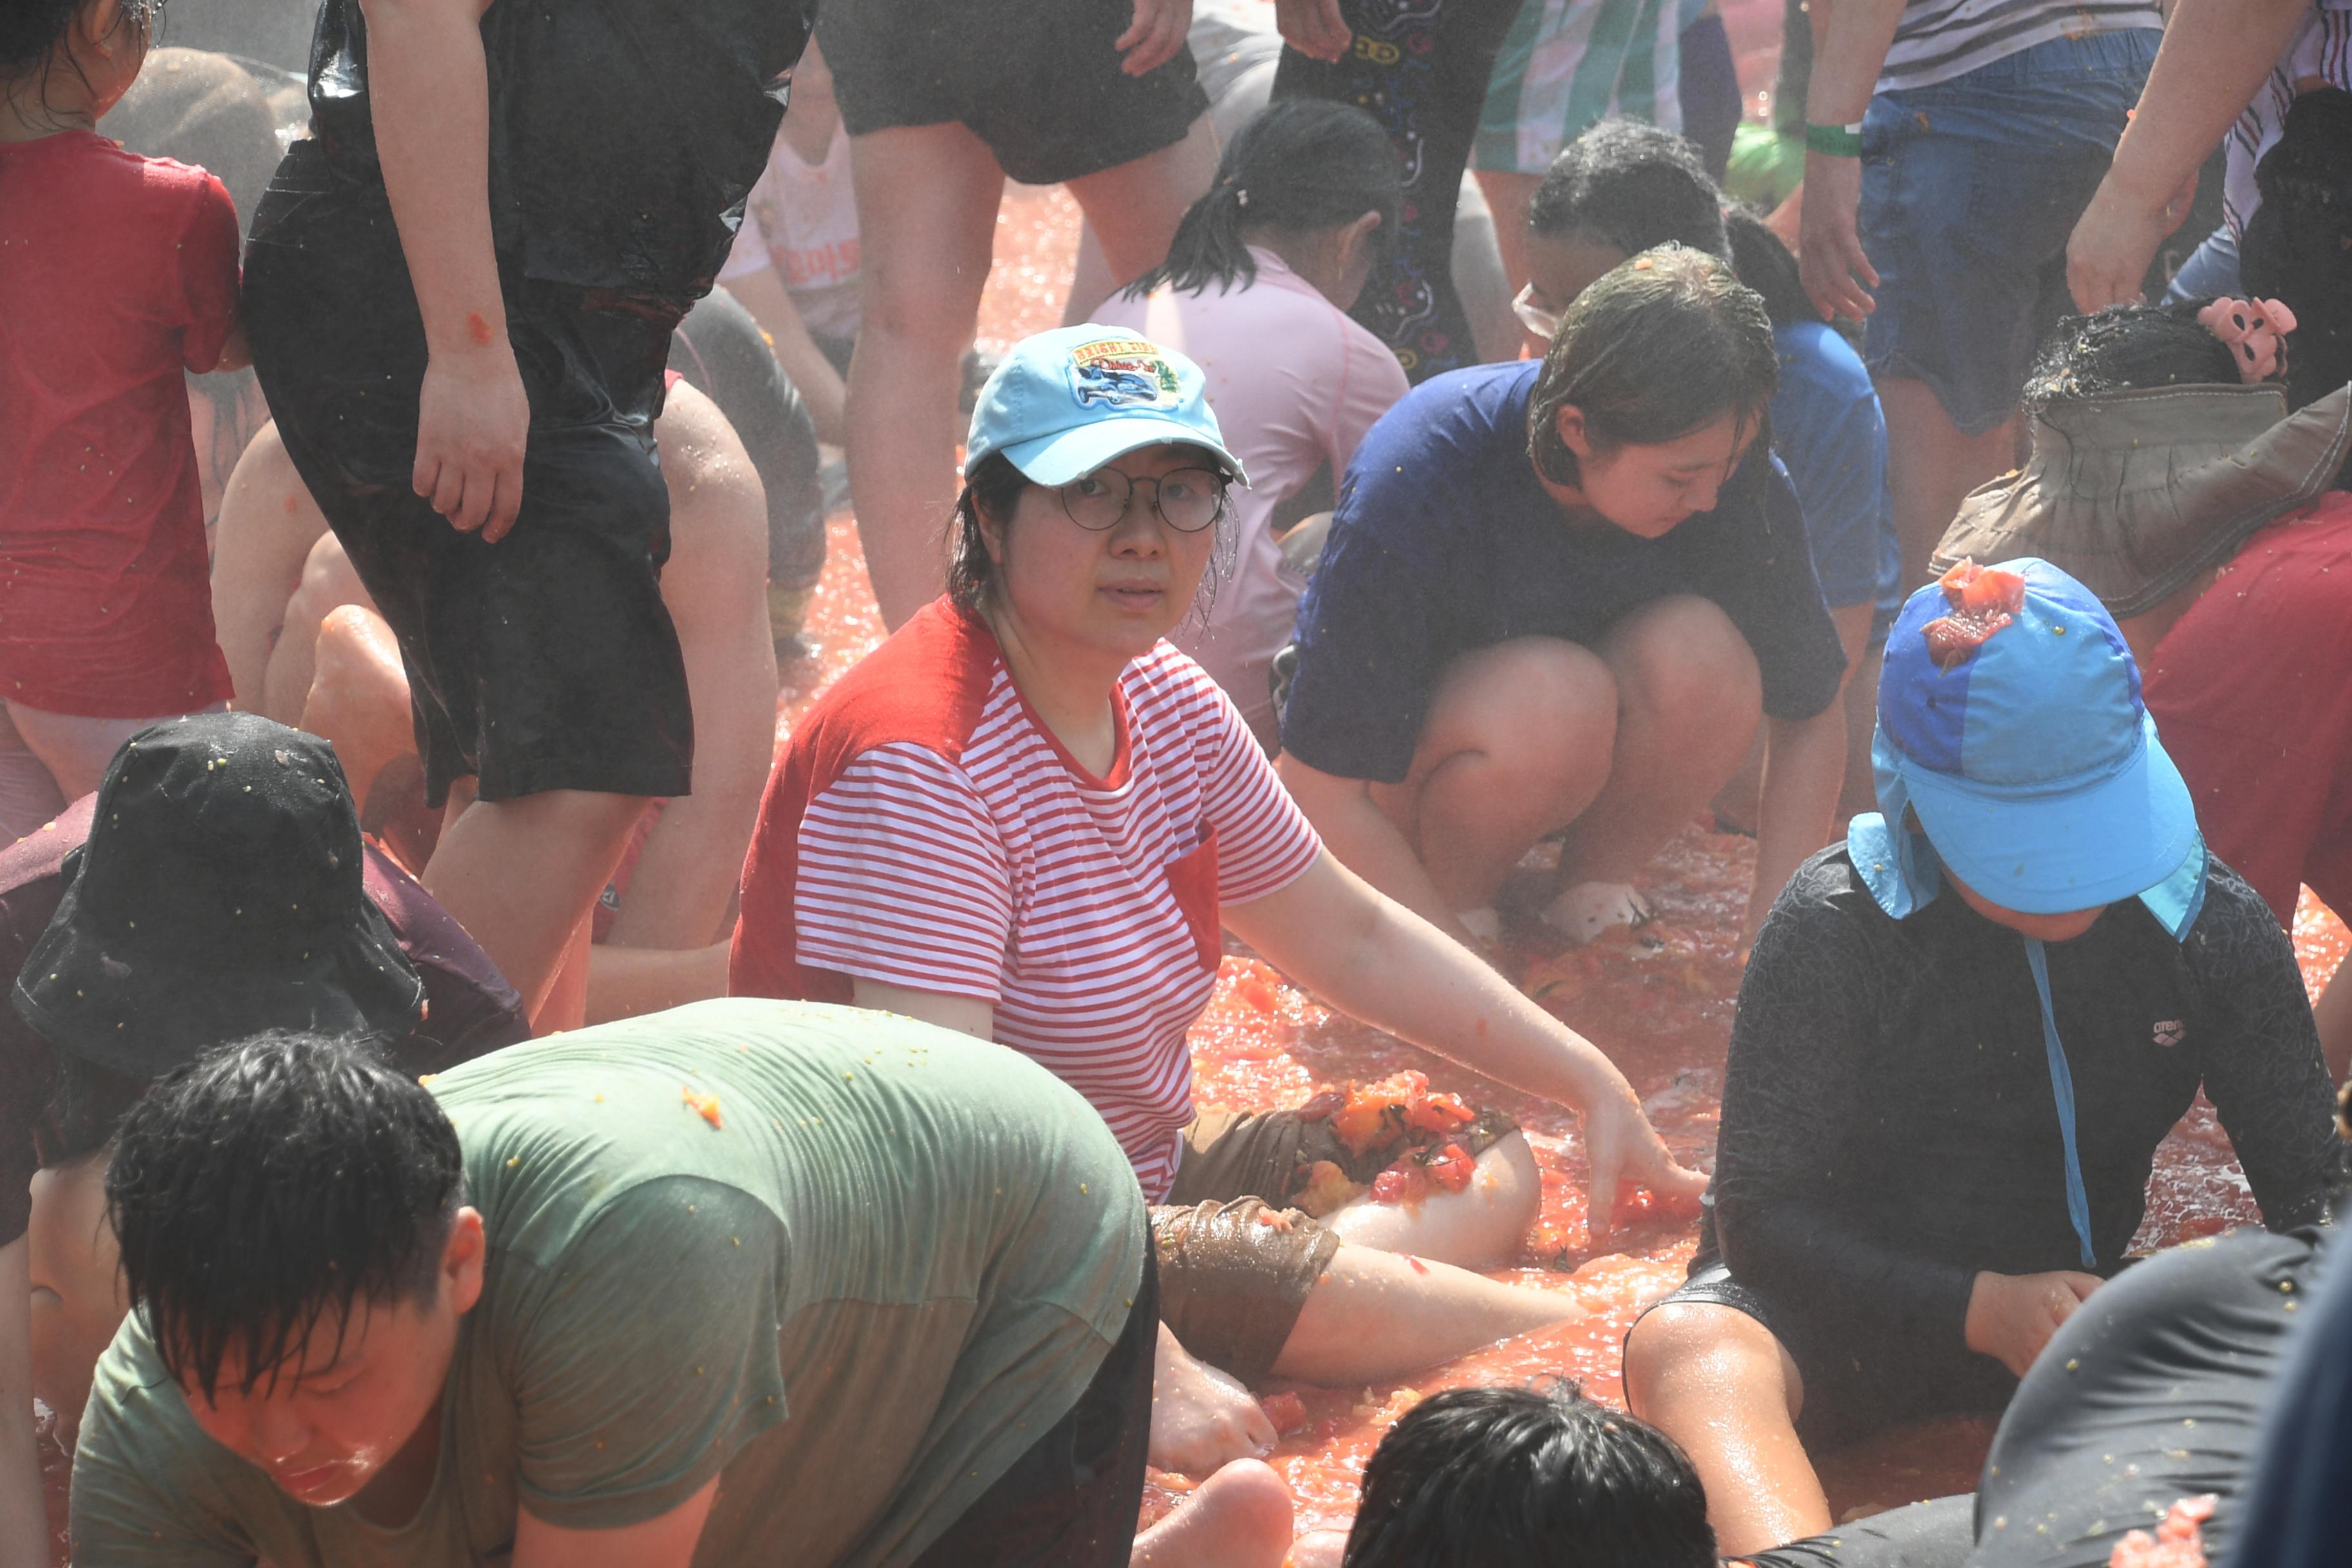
x=2134 y=494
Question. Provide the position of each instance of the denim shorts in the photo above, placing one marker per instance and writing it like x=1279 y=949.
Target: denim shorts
x=1969 y=189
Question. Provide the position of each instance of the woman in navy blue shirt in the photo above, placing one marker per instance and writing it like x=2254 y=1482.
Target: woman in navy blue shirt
x=1560 y=596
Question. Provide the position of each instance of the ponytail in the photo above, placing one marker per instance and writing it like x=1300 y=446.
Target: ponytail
x=1299 y=164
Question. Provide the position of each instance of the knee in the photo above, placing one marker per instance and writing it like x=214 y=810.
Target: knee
x=1541 y=709
x=1251 y=1501
x=329 y=583
x=1682 y=657
x=1669 y=1337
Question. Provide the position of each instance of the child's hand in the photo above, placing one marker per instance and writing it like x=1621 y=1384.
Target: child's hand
x=472 y=418
x=2012 y=1316
x=1155 y=35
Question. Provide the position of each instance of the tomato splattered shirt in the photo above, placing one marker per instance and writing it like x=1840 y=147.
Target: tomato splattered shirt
x=924 y=828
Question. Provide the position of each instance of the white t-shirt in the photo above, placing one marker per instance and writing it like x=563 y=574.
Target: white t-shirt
x=801 y=219
x=1295 y=384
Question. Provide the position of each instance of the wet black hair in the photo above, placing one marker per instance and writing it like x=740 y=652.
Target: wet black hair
x=1631 y=186
x=2297 y=247
x=270 y=1184
x=1767 y=266
x=32 y=32
x=2127 y=348
x=1523 y=1478
x=1664 y=345
x=1298 y=164
x=994 y=485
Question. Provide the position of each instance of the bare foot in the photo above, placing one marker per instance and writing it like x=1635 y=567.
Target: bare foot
x=359 y=696
x=1202 y=1419
x=1238 y=1518
x=1319 y=1548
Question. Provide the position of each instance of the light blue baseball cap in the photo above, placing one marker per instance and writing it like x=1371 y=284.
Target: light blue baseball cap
x=2031 y=761
x=1065 y=403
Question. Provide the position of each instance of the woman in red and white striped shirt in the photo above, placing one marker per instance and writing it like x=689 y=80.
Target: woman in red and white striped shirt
x=1028 y=818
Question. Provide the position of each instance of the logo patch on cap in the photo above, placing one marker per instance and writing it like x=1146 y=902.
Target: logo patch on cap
x=1121 y=373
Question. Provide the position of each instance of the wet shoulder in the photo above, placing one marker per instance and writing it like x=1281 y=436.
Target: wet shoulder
x=1826 y=912
x=2235 y=933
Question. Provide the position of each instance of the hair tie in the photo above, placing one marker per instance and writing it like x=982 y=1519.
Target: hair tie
x=1241 y=197
x=2255 y=331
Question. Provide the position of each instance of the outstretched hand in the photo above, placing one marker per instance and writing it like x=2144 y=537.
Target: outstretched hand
x=472 y=419
x=2108 y=254
x=1830 y=258
x=1152 y=39
x=1314 y=28
x=1622 y=1147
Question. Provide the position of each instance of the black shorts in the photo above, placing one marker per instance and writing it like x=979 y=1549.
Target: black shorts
x=1039 y=80
x=1070 y=1500
x=1855 y=1384
x=547 y=660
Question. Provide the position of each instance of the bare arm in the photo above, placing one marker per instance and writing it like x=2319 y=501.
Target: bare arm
x=1356 y=831
x=430 y=87
x=1379 y=963
x=24 y=1521
x=2214 y=57
x=967 y=1015
x=812 y=374
x=1850 y=49
x=1804 y=768
x=667 y=1541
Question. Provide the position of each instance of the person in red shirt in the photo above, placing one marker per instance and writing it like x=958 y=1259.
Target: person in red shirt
x=118 y=274
x=2169 y=474
x=1027 y=817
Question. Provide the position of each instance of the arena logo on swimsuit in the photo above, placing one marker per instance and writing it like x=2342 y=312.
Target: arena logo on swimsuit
x=1122 y=372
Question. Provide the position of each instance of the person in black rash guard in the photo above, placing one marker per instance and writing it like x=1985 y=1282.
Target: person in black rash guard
x=720 y=352
x=460 y=290
x=1940 y=1111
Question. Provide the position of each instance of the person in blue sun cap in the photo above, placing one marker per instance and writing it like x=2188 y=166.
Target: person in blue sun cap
x=1027 y=817
x=1939 y=1111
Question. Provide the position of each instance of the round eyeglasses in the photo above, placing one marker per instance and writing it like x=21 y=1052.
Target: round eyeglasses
x=1187 y=500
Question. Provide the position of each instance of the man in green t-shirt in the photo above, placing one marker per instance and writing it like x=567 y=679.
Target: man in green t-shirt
x=744 y=1282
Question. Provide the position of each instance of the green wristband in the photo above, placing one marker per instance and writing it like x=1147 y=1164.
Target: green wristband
x=1834 y=141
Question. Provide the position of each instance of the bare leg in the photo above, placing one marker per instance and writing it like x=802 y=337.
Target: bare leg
x=520 y=876
x=77 y=751
x=630 y=982
x=2333 y=1013
x=1508 y=195
x=329 y=583
x=1688 y=699
x=267 y=524
x=1518 y=741
x=358 y=700
x=1481 y=1226
x=1134 y=207
x=1860 y=791
x=1091 y=279
x=1240 y=1517
x=1931 y=467
x=927 y=198
x=1377 y=1314
x=1716 y=1381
